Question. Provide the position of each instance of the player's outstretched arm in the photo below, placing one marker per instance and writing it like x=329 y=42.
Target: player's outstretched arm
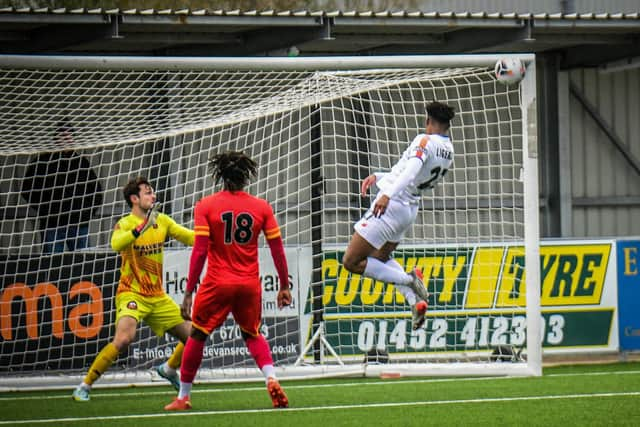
x=409 y=173
x=181 y=233
x=280 y=261
x=366 y=184
x=196 y=264
x=121 y=237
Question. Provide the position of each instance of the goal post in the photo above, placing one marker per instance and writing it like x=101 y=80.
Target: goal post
x=316 y=127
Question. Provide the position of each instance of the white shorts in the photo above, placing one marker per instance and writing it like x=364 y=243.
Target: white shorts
x=390 y=227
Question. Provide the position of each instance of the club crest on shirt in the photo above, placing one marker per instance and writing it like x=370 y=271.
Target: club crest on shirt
x=132 y=305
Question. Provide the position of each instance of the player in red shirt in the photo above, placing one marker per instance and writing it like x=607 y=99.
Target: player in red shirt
x=227 y=226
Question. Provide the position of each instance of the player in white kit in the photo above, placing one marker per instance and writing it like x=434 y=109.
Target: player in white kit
x=379 y=231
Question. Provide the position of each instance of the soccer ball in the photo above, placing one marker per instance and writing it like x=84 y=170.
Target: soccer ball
x=509 y=71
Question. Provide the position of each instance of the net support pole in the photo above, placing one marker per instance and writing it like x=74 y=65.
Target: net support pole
x=531 y=220
x=316 y=227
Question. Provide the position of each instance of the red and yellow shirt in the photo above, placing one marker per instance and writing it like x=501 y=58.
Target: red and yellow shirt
x=233 y=221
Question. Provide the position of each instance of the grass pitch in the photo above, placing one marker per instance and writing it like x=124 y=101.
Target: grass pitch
x=586 y=395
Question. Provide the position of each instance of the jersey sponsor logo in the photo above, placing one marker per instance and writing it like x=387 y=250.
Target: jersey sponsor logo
x=151 y=249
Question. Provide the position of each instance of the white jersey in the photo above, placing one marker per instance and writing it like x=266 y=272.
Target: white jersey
x=436 y=153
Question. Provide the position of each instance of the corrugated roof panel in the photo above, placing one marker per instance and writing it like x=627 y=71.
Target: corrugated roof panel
x=397 y=14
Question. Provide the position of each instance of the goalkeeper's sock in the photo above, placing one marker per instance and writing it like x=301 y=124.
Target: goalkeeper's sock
x=102 y=362
x=259 y=349
x=173 y=363
x=378 y=270
x=190 y=361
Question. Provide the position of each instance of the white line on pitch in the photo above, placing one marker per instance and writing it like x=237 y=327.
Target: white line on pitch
x=292 y=386
x=323 y=408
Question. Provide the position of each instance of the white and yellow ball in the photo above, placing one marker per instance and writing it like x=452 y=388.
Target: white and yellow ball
x=509 y=71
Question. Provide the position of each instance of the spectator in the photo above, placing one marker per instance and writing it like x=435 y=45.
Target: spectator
x=65 y=193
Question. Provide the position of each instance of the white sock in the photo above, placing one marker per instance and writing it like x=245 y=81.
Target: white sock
x=168 y=369
x=185 y=390
x=378 y=270
x=394 y=264
x=269 y=372
x=85 y=386
x=406 y=291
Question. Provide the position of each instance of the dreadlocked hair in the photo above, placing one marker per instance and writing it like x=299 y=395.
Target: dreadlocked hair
x=234 y=168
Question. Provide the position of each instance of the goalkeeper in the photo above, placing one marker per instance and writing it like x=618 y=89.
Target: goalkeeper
x=377 y=234
x=140 y=237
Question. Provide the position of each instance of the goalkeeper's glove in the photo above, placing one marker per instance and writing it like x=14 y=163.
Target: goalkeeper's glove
x=149 y=220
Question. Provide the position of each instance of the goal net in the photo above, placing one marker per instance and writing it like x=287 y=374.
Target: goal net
x=75 y=130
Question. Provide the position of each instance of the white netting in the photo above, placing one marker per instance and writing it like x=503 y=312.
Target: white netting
x=315 y=136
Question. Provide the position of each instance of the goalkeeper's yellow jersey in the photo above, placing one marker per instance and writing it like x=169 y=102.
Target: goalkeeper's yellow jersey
x=141 y=269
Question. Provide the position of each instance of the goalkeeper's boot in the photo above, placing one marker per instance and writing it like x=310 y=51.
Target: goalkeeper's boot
x=417 y=314
x=417 y=285
x=179 y=404
x=174 y=379
x=81 y=394
x=276 y=392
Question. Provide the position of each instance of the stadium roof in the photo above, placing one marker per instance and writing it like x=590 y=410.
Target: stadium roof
x=581 y=39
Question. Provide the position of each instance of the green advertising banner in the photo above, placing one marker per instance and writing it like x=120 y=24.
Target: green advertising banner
x=463 y=332
x=477 y=300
